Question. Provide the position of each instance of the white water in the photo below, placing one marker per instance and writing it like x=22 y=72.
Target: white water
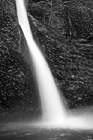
x=54 y=112
x=52 y=106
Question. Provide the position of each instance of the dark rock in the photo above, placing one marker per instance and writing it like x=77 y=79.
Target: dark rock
x=64 y=30
x=18 y=91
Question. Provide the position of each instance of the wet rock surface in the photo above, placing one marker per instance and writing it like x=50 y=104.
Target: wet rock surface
x=64 y=30
x=39 y=134
x=18 y=92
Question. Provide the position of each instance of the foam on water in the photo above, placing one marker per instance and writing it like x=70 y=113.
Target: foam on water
x=72 y=122
x=53 y=110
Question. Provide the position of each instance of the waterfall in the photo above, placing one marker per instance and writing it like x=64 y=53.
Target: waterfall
x=53 y=109
x=54 y=113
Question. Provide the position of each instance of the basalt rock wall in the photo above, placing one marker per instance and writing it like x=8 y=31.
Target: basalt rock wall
x=18 y=92
x=64 y=28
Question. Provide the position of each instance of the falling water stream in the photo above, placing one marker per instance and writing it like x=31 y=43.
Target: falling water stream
x=53 y=108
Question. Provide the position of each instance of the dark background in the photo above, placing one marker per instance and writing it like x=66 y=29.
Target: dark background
x=64 y=31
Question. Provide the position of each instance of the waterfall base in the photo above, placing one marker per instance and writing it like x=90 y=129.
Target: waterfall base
x=69 y=123
x=84 y=122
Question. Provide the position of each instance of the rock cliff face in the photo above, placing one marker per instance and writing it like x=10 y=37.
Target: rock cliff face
x=17 y=86
x=64 y=29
